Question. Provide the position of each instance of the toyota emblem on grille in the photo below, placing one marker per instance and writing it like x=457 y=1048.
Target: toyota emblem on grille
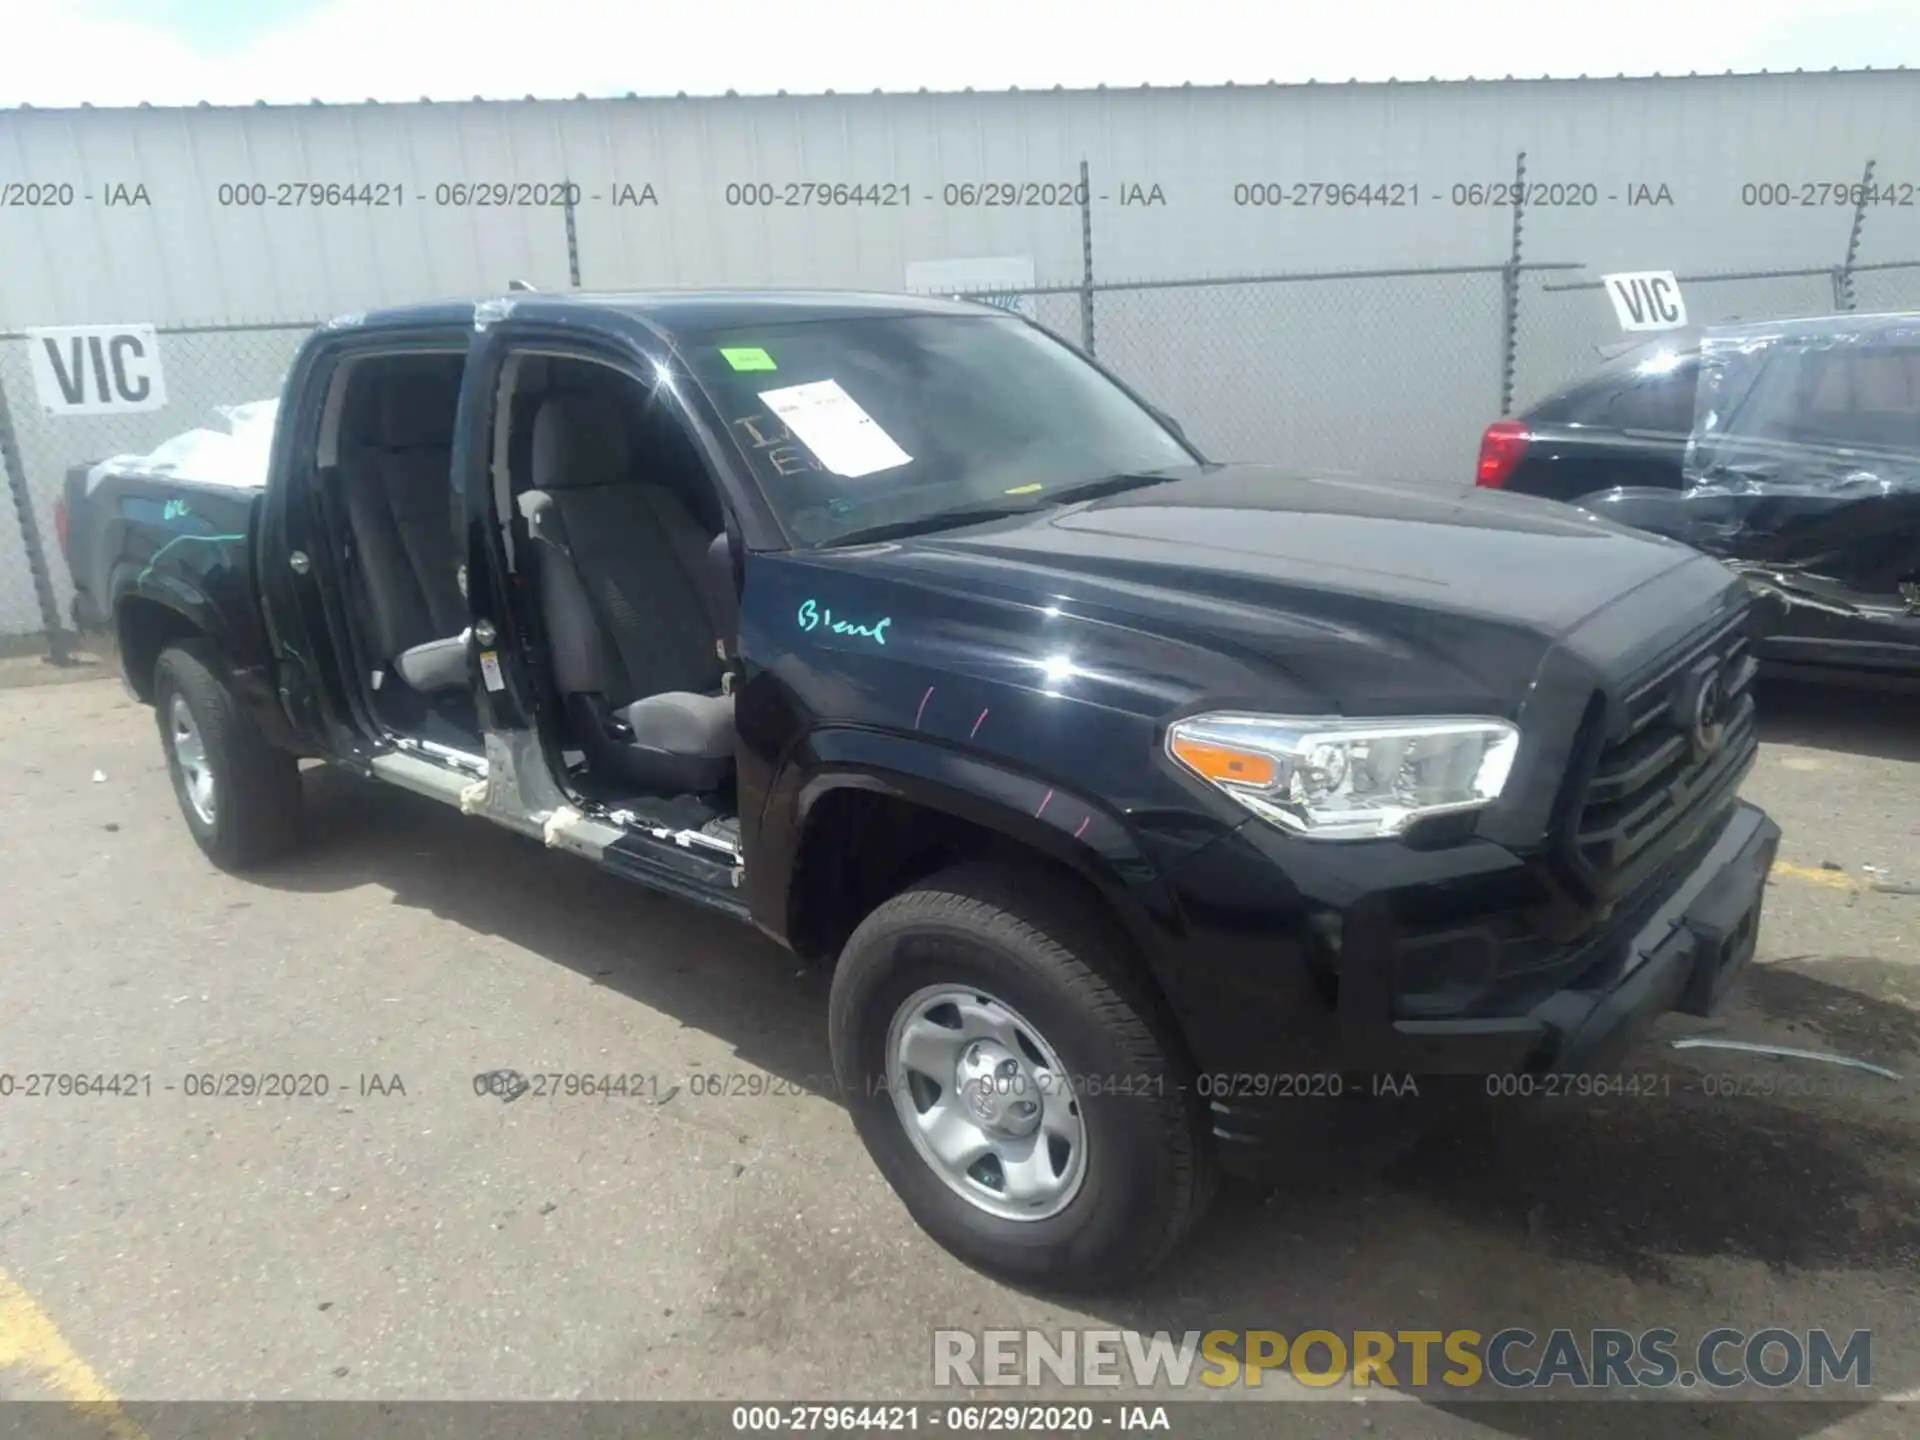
x=1702 y=711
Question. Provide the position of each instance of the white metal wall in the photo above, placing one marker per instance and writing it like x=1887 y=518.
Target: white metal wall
x=1388 y=376
x=186 y=257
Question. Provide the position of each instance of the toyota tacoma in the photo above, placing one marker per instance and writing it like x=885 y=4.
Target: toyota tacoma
x=1136 y=801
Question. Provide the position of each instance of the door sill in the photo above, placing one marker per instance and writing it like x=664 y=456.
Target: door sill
x=444 y=754
x=423 y=775
x=702 y=840
x=667 y=863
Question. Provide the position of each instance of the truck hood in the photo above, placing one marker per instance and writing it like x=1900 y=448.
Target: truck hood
x=1362 y=592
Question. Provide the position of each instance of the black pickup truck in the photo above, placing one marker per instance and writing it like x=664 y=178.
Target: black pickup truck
x=1140 y=803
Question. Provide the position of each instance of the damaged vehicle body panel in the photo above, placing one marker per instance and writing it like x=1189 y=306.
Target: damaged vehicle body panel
x=1801 y=471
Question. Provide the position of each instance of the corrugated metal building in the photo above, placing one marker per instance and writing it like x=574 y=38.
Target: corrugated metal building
x=185 y=216
x=199 y=251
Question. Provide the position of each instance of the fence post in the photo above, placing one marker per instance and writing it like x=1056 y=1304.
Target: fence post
x=57 y=651
x=1086 y=261
x=573 y=239
x=1843 y=298
x=1510 y=309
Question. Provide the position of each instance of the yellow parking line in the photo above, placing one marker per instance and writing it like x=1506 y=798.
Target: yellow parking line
x=30 y=1341
x=1832 y=879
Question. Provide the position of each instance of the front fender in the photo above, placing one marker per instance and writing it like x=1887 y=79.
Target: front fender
x=1060 y=823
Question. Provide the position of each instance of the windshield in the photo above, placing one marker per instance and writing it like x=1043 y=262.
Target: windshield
x=865 y=424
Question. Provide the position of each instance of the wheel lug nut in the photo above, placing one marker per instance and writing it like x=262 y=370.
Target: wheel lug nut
x=1007 y=1069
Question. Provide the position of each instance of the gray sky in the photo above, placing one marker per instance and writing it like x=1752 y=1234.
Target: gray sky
x=63 y=52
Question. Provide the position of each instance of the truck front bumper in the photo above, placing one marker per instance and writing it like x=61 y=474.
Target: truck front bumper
x=1681 y=956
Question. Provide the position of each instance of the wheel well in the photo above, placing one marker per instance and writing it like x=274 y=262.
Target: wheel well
x=861 y=847
x=145 y=628
x=858 y=848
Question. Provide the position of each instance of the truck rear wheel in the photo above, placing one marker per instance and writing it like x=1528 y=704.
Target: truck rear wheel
x=1014 y=1084
x=240 y=796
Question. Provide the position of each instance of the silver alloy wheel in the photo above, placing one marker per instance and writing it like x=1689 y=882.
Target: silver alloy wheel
x=986 y=1102
x=191 y=751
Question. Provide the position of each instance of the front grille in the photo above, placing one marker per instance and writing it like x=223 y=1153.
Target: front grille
x=1653 y=783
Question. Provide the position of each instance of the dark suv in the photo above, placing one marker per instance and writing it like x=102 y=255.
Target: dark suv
x=1789 y=449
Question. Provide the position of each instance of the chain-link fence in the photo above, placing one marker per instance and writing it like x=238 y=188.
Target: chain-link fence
x=1381 y=372
x=1394 y=373
x=1883 y=288
x=1340 y=372
x=1565 y=324
x=203 y=367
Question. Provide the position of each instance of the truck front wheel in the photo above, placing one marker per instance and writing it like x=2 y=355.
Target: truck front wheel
x=1011 y=1079
x=240 y=796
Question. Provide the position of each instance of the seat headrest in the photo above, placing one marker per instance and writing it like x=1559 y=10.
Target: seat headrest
x=416 y=408
x=578 y=441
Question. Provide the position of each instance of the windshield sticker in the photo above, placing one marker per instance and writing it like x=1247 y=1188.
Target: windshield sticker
x=812 y=617
x=1025 y=489
x=844 y=437
x=747 y=357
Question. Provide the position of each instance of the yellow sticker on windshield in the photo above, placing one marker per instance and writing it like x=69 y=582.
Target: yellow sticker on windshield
x=1025 y=489
x=747 y=357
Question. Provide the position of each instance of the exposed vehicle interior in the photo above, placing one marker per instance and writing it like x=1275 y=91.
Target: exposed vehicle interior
x=386 y=496
x=1866 y=395
x=629 y=573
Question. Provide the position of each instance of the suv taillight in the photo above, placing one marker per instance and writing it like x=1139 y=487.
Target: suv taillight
x=1501 y=449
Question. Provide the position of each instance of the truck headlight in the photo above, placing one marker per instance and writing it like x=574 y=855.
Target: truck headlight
x=1338 y=779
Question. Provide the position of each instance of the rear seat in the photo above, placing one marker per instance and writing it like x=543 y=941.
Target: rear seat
x=398 y=491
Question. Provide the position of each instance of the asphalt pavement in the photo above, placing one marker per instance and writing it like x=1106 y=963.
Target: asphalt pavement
x=376 y=1229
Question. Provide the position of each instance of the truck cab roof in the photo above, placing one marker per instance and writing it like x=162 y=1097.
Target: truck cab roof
x=669 y=311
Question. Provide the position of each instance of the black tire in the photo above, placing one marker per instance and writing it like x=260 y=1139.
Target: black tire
x=1036 y=944
x=256 y=788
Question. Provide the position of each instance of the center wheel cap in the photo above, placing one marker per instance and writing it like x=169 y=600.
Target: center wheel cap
x=999 y=1091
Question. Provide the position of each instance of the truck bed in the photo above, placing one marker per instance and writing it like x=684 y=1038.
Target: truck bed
x=127 y=533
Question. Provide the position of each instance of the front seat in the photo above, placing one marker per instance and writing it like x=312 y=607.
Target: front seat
x=624 y=580
x=398 y=492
